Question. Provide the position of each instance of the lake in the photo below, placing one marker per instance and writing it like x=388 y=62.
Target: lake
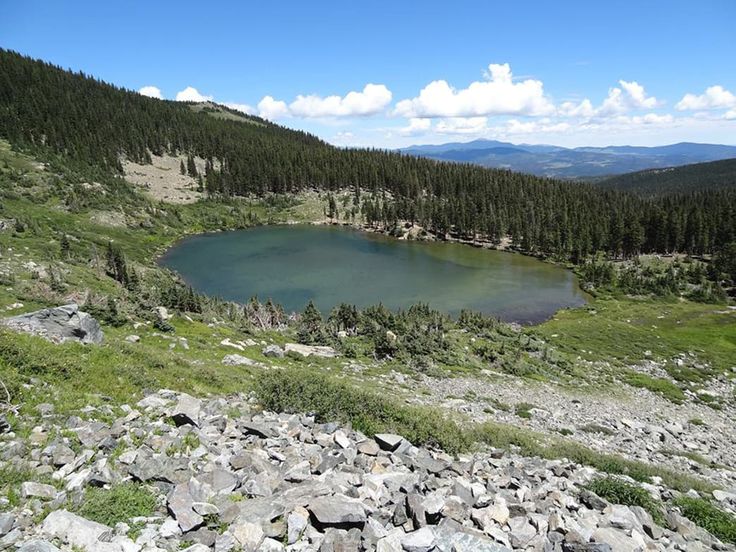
x=330 y=265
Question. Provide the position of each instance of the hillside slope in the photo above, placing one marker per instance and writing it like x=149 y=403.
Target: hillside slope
x=95 y=126
x=699 y=177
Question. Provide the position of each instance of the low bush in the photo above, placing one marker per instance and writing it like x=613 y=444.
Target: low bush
x=709 y=517
x=620 y=492
x=120 y=503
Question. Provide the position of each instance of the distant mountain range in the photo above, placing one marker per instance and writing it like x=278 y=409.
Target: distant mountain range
x=573 y=163
x=715 y=175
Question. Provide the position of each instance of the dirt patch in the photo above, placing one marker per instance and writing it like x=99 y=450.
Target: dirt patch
x=162 y=179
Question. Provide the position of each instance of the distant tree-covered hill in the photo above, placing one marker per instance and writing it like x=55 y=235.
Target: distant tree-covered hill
x=573 y=163
x=716 y=175
x=91 y=125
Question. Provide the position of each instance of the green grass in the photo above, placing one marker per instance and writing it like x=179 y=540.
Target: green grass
x=664 y=387
x=120 y=503
x=621 y=330
x=620 y=492
x=709 y=517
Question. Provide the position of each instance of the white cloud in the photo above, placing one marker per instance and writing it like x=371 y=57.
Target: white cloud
x=244 y=108
x=272 y=109
x=191 y=94
x=652 y=119
x=373 y=99
x=497 y=96
x=416 y=126
x=151 y=92
x=461 y=125
x=630 y=96
x=714 y=97
x=583 y=109
x=730 y=115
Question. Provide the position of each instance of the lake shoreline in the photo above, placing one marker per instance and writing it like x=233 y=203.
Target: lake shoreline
x=498 y=288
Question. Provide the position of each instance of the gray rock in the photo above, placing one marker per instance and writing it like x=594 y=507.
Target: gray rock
x=79 y=532
x=520 y=531
x=37 y=546
x=181 y=505
x=6 y=523
x=239 y=360
x=310 y=350
x=186 y=411
x=249 y=535
x=273 y=351
x=388 y=441
x=337 y=511
x=421 y=540
x=296 y=523
x=59 y=324
x=31 y=489
x=453 y=537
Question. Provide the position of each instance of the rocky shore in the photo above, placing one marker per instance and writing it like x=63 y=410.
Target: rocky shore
x=226 y=476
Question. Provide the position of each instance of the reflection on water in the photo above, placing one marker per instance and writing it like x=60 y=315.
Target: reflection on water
x=330 y=265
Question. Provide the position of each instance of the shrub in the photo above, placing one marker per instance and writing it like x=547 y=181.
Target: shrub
x=119 y=503
x=657 y=385
x=620 y=492
x=296 y=391
x=709 y=517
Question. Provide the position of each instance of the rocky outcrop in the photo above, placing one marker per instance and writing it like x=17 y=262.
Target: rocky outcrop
x=229 y=477
x=59 y=324
x=310 y=350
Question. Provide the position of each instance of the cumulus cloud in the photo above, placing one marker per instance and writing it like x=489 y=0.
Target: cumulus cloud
x=373 y=99
x=631 y=95
x=151 y=92
x=416 y=126
x=583 y=109
x=272 y=109
x=191 y=94
x=730 y=115
x=498 y=95
x=714 y=97
x=461 y=125
x=243 y=108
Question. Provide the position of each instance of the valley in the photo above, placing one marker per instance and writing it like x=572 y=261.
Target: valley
x=387 y=389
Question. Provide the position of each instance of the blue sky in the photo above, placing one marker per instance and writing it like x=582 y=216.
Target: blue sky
x=396 y=73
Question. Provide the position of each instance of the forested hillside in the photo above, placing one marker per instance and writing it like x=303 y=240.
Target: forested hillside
x=716 y=175
x=49 y=111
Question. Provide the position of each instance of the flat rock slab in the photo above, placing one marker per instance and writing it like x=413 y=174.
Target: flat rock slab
x=59 y=324
x=311 y=350
x=187 y=410
x=337 y=511
x=388 y=441
x=81 y=533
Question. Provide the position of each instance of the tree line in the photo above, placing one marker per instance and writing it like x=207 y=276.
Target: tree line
x=48 y=110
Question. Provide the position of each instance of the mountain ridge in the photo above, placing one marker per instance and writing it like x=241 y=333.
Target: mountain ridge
x=577 y=163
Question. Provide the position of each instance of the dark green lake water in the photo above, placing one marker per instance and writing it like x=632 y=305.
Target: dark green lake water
x=330 y=265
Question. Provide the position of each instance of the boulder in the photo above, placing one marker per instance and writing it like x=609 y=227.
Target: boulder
x=239 y=360
x=310 y=350
x=388 y=441
x=273 y=351
x=337 y=511
x=186 y=411
x=58 y=325
x=81 y=533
